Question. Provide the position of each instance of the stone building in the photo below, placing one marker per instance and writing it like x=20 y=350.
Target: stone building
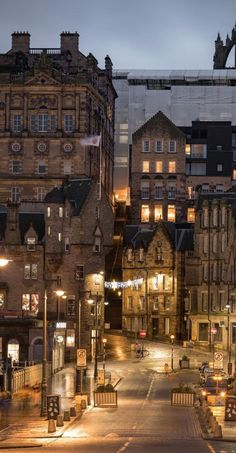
x=211 y=272
x=158 y=181
x=153 y=277
x=49 y=99
x=65 y=244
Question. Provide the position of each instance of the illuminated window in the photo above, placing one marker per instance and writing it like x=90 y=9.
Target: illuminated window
x=146 y=146
x=48 y=212
x=191 y=192
x=59 y=237
x=159 y=166
x=145 y=213
x=219 y=168
x=60 y=212
x=158 y=212
x=31 y=242
x=171 y=213
x=30 y=302
x=187 y=149
x=172 y=146
x=130 y=302
x=159 y=146
x=234 y=174
x=172 y=166
x=31 y=271
x=145 y=166
x=191 y=215
x=49 y=230
x=123 y=138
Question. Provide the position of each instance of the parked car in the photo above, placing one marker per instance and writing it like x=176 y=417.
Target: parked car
x=217 y=384
x=208 y=371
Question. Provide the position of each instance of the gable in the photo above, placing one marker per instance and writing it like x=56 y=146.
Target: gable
x=42 y=79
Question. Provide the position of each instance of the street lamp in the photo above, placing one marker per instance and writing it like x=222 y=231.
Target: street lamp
x=79 y=370
x=44 y=384
x=104 y=355
x=172 y=337
x=228 y=341
x=4 y=262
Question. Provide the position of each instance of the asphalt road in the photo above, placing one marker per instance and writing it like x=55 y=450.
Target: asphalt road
x=144 y=420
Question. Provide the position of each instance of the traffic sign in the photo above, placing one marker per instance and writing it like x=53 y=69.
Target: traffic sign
x=142 y=333
x=81 y=358
x=218 y=360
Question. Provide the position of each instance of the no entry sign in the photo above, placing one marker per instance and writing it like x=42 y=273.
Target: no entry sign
x=142 y=333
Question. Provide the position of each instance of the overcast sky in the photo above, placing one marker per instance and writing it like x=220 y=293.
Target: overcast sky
x=137 y=34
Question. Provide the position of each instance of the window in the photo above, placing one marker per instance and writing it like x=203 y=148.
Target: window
x=222 y=300
x=199 y=151
x=234 y=139
x=158 y=191
x=155 y=303
x=234 y=174
x=53 y=123
x=223 y=241
x=159 y=256
x=31 y=242
x=203 y=331
x=219 y=147
x=59 y=237
x=17 y=123
x=205 y=188
x=159 y=146
x=187 y=149
x=205 y=271
x=205 y=217
x=146 y=146
x=141 y=254
x=41 y=167
x=30 y=302
x=2 y=299
x=171 y=191
x=68 y=123
x=191 y=192
x=167 y=326
x=31 y=271
x=15 y=194
x=123 y=138
x=218 y=334
x=49 y=230
x=48 y=212
x=67 y=167
x=205 y=244
x=172 y=146
x=97 y=244
x=145 y=190
x=219 y=168
x=79 y=272
x=172 y=166
x=40 y=193
x=196 y=169
x=214 y=243
x=204 y=306
x=145 y=213
x=215 y=217
x=130 y=302
x=158 y=212
x=219 y=188
x=43 y=122
x=67 y=244
x=166 y=281
x=145 y=166
x=60 y=212
x=191 y=215
x=16 y=167
x=159 y=166
x=166 y=303
x=223 y=215
x=171 y=213
x=142 y=303
x=129 y=254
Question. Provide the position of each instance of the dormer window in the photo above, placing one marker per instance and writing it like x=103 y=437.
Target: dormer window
x=31 y=242
x=97 y=244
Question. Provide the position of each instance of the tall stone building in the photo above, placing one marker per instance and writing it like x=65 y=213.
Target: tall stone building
x=49 y=99
x=65 y=244
x=153 y=275
x=158 y=181
x=211 y=272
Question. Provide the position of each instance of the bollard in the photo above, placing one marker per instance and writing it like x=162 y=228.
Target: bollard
x=51 y=425
x=72 y=411
x=212 y=423
x=218 y=431
x=66 y=416
x=60 y=420
x=89 y=400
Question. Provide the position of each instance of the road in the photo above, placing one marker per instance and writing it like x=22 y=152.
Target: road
x=144 y=421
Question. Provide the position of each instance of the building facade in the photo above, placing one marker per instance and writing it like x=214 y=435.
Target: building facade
x=153 y=273
x=49 y=99
x=64 y=245
x=210 y=276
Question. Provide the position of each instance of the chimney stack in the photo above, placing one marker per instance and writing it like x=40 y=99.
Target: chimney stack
x=20 y=41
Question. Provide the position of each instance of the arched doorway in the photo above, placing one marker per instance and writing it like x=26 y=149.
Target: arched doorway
x=13 y=349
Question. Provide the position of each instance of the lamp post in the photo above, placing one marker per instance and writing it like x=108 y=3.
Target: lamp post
x=90 y=301
x=104 y=355
x=228 y=340
x=79 y=370
x=234 y=336
x=172 y=337
x=44 y=384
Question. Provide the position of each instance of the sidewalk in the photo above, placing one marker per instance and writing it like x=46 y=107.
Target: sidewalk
x=32 y=430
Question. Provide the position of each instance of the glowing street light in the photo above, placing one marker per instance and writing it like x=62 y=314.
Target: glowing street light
x=172 y=337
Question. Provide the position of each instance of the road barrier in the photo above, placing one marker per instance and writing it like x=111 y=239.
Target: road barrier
x=105 y=399
x=182 y=399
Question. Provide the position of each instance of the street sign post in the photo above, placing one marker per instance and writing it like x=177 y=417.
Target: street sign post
x=218 y=360
x=142 y=333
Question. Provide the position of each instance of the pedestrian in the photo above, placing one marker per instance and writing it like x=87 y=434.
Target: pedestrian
x=138 y=349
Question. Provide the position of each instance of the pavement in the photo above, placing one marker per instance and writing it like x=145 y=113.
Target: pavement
x=32 y=430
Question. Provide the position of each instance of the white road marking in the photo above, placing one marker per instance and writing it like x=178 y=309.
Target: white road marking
x=150 y=387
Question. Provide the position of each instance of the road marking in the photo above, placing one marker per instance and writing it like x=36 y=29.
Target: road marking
x=150 y=387
x=211 y=448
x=124 y=446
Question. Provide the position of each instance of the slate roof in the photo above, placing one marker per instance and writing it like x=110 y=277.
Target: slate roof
x=181 y=235
x=37 y=222
x=75 y=191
